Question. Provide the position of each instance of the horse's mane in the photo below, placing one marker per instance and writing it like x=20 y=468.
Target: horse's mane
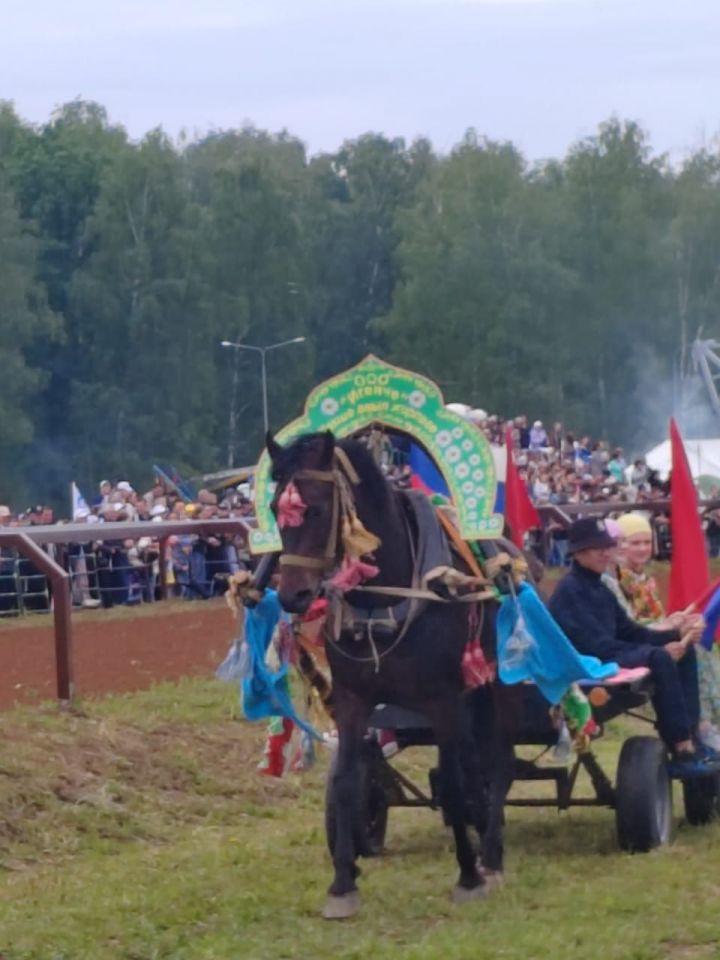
x=374 y=481
x=293 y=458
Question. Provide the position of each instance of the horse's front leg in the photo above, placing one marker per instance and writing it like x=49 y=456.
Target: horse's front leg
x=501 y=777
x=505 y=705
x=351 y=716
x=448 y=726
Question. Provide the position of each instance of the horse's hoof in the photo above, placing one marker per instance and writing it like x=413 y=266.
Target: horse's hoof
x=468 y=894
x=343 y=907
x=493 y=879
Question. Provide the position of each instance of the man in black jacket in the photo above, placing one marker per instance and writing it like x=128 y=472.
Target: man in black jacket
x=594 y=621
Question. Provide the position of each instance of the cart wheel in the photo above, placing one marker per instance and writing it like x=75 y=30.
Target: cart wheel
x=643 y=807
x=702 y=799
x=371 y=813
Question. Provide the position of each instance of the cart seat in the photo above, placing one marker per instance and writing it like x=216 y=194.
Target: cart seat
x=626 y=690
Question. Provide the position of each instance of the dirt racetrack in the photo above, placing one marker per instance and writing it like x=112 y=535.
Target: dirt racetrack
x=115 y=650
x=125 y=649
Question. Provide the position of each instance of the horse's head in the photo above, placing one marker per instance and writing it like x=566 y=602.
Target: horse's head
x=306 y=507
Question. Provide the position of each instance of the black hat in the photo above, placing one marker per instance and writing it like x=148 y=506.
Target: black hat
x=588 y=534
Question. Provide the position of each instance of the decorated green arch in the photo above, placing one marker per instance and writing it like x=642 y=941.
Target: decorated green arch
x=375 y=392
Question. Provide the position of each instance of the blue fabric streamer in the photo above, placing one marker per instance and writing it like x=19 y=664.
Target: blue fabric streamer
x=712 y=616
x=266 y=693
x=537 y=649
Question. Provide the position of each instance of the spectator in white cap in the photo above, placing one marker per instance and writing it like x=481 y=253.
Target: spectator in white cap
x=538 y=436
x=477 y=416
x=103 y=498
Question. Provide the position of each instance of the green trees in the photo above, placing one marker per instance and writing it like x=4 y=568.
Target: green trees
x=255 y=276
x=26 y=325
x=359 y=193
x=475 y=281
x=569 y=290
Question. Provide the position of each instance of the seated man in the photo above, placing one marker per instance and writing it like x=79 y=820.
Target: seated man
x=596 y=624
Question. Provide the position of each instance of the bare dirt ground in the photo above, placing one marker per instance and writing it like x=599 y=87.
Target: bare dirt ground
x=116 y=650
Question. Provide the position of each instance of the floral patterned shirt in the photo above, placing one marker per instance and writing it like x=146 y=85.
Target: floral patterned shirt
x=641 y=592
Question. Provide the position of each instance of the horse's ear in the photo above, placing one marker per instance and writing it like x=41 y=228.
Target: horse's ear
x=273 y=447
x=328 y=446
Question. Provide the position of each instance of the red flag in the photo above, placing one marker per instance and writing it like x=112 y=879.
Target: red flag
x=417 y=483
x=706 y=596
x=689 y=573
x=520 y=513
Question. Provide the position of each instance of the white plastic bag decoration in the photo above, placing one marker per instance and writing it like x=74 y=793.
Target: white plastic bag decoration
x=517 y=650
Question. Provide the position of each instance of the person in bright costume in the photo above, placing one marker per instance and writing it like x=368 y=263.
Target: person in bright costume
x=641 y=592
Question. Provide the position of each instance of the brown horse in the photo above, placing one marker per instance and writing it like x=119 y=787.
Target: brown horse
x=417 y=665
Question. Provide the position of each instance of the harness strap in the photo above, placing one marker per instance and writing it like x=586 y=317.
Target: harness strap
x=324 y=476
x=418 y=593
x=331 y=545
x=453 y=535
x=330 y=476
x=297 y=560
x=344 y=460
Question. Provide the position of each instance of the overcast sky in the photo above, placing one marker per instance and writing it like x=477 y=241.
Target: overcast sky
x=539 y=72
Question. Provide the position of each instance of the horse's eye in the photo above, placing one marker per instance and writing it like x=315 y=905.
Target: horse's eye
x=312 y=513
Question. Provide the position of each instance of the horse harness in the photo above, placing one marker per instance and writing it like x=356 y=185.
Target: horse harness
x=391 y=621
x=341 y=477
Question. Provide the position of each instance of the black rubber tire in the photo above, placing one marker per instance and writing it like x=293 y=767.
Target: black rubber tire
x=701 y=796
x=643 y=791
x=371 y=813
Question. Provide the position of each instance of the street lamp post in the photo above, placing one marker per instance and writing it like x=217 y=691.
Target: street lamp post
x=263 y=368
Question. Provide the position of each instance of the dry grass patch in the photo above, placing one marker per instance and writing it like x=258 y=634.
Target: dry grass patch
x=88 y=777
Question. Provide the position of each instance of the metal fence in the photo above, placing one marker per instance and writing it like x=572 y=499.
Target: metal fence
x=45 y=569
x=106 y=574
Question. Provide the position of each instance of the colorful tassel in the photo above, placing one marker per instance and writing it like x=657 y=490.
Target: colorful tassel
x=357 y=540
x=291 y=507
x=352 y=573
x=280 y=730
x=475 y=667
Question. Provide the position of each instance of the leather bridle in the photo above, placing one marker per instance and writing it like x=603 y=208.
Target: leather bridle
x=343 y=477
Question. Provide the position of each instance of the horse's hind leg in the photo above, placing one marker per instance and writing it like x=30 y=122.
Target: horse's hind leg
x=351 y=716
x=448 y=731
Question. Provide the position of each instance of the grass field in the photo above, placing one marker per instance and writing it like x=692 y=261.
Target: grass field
x=137 y=828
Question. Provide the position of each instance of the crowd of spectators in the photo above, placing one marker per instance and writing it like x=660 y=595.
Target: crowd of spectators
x=109 y=570
x=558 y=468
x=561 y=467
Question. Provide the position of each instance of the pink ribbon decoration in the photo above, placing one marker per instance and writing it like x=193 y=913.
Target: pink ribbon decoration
x=475 y=667
x=352 y=573
x=291 y=507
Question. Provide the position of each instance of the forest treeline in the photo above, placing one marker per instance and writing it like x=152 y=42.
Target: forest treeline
x=569 y=289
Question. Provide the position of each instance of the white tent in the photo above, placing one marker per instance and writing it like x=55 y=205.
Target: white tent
x=703 y=458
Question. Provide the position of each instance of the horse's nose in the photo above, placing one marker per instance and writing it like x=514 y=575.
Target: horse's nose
x=297 y=602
